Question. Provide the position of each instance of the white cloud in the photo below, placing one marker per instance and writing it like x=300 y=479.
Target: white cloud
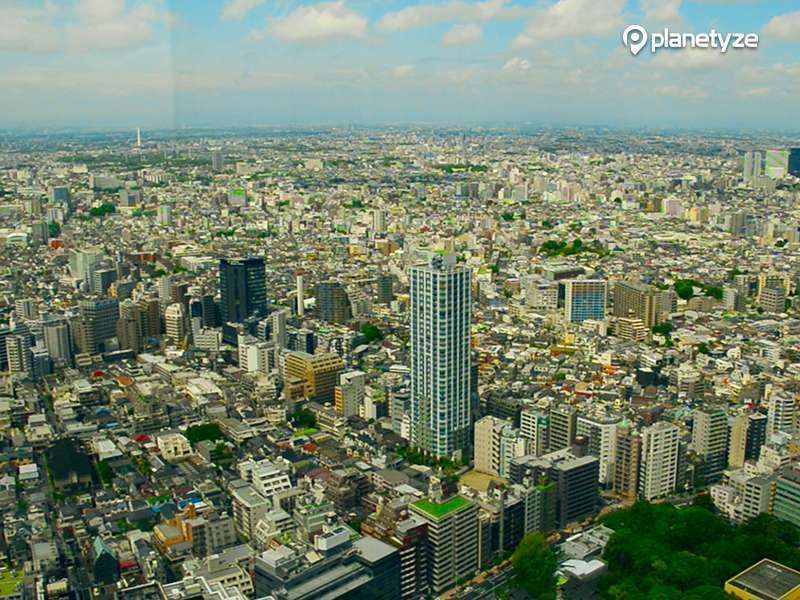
x=404 y=71
x=27 y=29
x=517 y=64
x=756 y=92
x=321 y=22
x=99 y=11
x=424 y=15
x=784 y=27
x=662 y=11
x=573 y=19
x=90 y=25
x=114 y=30
x=462 y=35
x=236 y=10
x=693 y=94
x=690 y=60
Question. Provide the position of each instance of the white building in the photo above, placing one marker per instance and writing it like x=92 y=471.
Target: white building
x=658 y=468
x=173 y=446
x=441 y=311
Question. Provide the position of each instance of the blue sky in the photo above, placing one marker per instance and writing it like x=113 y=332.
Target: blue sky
x=162 y=63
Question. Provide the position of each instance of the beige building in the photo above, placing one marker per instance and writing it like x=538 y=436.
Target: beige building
x=319 y=373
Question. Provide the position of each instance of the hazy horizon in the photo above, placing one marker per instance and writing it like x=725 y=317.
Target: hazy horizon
x=159 y=64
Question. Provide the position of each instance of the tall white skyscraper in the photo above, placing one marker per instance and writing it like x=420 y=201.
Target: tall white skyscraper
x=441 y=313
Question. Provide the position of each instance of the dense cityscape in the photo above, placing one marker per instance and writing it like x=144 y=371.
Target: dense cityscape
x=399 y=363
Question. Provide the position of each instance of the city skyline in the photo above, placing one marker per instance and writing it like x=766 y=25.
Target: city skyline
x=165 y=64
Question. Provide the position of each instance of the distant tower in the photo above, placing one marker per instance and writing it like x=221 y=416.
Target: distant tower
x=138 y=137
x=301 y=309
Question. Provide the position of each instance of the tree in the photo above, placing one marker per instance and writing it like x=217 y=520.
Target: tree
x=371 y=333
x=199 y=433
x=53 y=230
x=535 y=567
x=105 y=473
x=304 y=419
x=659 y=551
x=684 y=288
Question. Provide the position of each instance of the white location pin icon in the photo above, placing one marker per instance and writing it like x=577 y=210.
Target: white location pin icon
x=634 y=38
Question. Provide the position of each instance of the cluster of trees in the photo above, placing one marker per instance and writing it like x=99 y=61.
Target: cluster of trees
x=562 y=248
x=105 y=474
x=535 y=564
x=371 y=333
x=102 y=210
x=304 y=419
x=685 y=289
x=455 y=168
x=414 y=456
x=199 y=433
x=659 y=551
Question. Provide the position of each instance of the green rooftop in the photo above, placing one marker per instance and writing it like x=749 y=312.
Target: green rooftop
x=9 y=581
x=439 y=511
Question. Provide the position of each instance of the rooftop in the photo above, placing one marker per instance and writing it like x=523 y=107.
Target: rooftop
x=766 y=580
x=9 y=580
x=439 y=511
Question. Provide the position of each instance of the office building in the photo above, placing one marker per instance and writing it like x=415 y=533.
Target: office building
x=585 y=299
x=658 y=466
x=756 y=435
x=217 y=160
x=637 y=300
x=337 y=568
x=349 y=394
x=18 y=354
x=710 y=441
x=534 y=425
x=242 y=287
x=772 y=300
x=58 y=341
x=539 y=505
x=781 y=408
x=497 y=443
x=59 y=194
x=575 y=477
x=794 y=162
x=333 y=303
x=385 y=288
x=737 y=440
x=318 y=372
x=563 y=426
x=392 y=524
x=82 y=263
x=625 y=460
x=753 y=166
x=787 y=495
x=600 y=434
x=441 y=314
x=452 y=540
x=176 y=323
x=99 y=317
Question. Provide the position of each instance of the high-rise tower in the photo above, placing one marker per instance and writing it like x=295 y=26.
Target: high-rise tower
x=242 y=289
x=441 y=313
